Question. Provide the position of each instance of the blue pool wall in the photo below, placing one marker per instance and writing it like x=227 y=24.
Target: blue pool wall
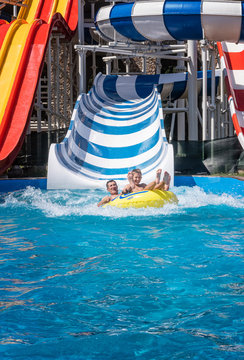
x=9 y=185
x=213 y=184
x=217 y=185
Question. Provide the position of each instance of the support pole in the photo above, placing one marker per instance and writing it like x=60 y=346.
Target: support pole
x=192 y=91
x=223 y=105
x=108 y=67
x=82 y=54
x=71 y=77
x=231 y=127
x=38 y=103
x=127 y=66
x=115 y=66
x=181 y=133
x=15 y=11
x=158 y=66
x=93 y=11
x=204 y=90
x=172 y=124
x=213 y=100
x=218 y=117
x=49 y=89
x=57 y=90
x=65 y=85
x=226 y=117
x=94 y=65
x=144 y=65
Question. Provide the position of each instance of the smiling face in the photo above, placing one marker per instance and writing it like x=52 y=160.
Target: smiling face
x=137 y=178
x=112 y=187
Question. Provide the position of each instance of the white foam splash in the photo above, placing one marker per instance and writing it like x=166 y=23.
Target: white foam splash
x=57 y=203
x=196 y=197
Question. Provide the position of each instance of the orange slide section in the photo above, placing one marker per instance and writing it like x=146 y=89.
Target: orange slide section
x=23 y=45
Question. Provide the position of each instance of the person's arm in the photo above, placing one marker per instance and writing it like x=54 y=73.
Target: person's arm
x=150 y=186
x=130 y=179
x=105 y=200
x=127 y=189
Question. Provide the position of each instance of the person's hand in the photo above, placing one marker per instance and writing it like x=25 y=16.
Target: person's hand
x=130 y=175
x=130 y=178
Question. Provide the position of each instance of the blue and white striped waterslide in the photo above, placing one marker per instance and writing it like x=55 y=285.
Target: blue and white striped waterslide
x=159 y=20
x=114 y=128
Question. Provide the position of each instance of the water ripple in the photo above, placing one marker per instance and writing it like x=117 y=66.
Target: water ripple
x=80 y=282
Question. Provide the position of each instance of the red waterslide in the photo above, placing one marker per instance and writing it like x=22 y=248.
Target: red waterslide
x=15 y=120
x=232 y=63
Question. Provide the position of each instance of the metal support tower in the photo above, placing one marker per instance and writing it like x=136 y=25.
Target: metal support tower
x=192 y=91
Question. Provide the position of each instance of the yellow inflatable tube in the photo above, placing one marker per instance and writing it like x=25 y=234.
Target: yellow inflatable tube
x=142 y=199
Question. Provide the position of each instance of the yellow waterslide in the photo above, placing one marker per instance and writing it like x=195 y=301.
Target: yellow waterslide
x=10 y=56
x=28 y=12
x=16 y=47
x=14 y=43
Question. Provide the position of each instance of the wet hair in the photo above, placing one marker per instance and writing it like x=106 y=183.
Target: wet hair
x=109 y=181
x=136 y=171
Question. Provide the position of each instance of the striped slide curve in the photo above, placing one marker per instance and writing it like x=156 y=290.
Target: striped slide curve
x=113 y=130
x=171 y=86
x=172 y=20
x=232 y=63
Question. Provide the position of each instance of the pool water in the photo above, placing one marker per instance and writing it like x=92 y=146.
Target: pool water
x=81 y=282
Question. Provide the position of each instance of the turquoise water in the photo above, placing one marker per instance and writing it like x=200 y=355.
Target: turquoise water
x=78 y=282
